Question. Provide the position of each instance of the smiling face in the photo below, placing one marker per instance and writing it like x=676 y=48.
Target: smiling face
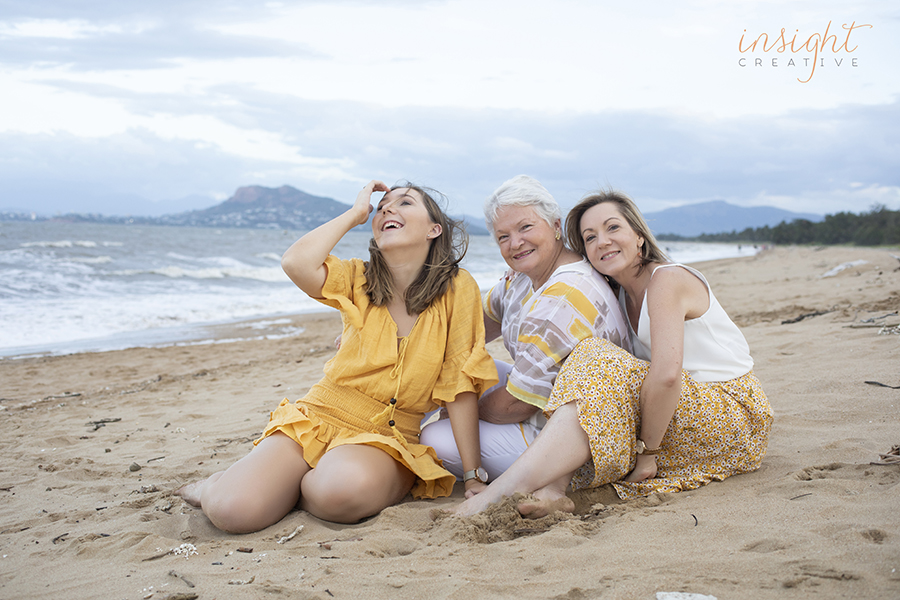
x=402 y=219
x=527 y=242
x=610 y=244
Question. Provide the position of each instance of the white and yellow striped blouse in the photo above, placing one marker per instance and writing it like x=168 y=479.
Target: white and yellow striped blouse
x=541 y=327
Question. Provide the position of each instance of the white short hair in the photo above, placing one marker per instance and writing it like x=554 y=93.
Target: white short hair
x=521 y=190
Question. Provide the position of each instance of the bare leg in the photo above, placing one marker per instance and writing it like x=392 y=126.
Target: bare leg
x=256 y=491
x=353 y=482
x=545 y=467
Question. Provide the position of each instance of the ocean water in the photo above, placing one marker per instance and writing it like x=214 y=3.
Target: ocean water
x=76 y=287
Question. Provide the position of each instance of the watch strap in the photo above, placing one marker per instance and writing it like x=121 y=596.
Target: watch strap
x=643 y=449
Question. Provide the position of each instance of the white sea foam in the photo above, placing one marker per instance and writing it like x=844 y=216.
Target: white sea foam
x=149 y=285
x=286 y=332
x=271 y=274
x=691 y=252
x=266 y=324
x=59 y=244
x=27 y=322
x=94 y=260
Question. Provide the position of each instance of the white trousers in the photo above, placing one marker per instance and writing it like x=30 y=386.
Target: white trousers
x=501 y=445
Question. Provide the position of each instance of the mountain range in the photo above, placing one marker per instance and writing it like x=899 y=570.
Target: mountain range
x=286 y=207
x=718 y=216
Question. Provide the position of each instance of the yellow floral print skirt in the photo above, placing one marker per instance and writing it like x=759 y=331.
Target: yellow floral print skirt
x=719 y=428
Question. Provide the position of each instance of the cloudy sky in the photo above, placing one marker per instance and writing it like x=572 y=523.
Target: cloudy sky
x=127 y=107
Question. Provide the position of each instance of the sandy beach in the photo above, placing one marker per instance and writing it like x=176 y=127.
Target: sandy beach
x=94 y=444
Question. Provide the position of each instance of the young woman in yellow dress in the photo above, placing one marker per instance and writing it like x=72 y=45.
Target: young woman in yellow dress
x=686 y=409
x=413 y=339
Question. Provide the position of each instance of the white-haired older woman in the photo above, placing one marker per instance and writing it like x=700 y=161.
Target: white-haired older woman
x=551 y=301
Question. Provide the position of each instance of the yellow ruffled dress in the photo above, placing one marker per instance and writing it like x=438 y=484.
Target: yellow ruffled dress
x=378 y=387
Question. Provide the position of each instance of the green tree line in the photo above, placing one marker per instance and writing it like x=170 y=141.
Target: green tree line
x=879 y=226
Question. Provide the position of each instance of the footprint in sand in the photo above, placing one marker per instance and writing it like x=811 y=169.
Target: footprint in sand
x=876 y=536
x=879 y=474
x=765 y=546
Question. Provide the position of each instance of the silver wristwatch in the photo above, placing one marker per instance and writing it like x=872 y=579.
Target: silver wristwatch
x=480 y=474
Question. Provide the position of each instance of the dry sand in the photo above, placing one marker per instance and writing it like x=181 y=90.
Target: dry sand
x=94 y=444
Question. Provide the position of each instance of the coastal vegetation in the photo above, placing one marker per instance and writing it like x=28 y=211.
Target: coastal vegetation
x=876 y=227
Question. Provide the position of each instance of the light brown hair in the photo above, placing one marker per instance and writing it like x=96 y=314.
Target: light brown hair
x=441 y=266
x=650 y=250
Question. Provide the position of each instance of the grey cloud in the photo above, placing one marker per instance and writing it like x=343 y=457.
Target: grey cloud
x=124 y=174
x=153 y=34
x=112 y=10
x=652 y=156
x=659 y=159
x=153 y=47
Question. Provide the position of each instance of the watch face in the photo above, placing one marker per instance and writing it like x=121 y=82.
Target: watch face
x=480 y=474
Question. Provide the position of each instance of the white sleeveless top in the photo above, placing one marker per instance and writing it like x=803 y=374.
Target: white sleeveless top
x=714 y=347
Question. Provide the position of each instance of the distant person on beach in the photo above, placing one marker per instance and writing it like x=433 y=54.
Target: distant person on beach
x=413 y=339
x=551 y=300
x=685 y=410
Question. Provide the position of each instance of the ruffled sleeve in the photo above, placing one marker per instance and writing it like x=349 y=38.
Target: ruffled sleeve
x=467 y=366
x=345 y=279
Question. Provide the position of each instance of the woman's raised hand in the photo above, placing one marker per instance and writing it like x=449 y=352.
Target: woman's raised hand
x=304 y=262
x=363 y=205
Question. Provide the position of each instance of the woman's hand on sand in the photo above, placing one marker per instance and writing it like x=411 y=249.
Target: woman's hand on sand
x=474 y=487
x=644 y=468
x=363 y=205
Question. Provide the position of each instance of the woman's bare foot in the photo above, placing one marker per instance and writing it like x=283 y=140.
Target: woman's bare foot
x=191 y=492
x=545 y=503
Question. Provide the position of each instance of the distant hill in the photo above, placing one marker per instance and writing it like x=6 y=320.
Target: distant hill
x=252 y=206
x=283 y=208
x=718 y=216
x=257 y=206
